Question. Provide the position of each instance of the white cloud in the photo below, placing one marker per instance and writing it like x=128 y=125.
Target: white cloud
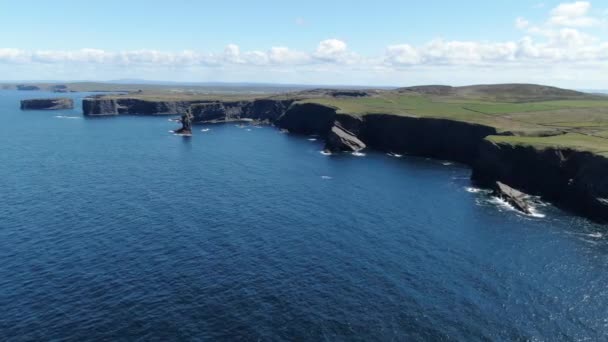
x=574 y=14
x=331 y=50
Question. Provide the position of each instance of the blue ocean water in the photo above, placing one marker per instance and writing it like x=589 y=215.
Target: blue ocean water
x=114 y=229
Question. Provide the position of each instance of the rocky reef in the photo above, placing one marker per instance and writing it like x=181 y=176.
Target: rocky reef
x=47 y=104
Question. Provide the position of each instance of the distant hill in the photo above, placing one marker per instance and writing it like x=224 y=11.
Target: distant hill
x=504 y=92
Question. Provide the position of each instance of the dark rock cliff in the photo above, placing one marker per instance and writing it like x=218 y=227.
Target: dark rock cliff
x=47 y=104
x=429 y=137
x=264 y=110
x=308 y=118
x=573 y=180
x=116 y=106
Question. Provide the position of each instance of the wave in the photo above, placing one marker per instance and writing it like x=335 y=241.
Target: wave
x=506 y=205
x=325 y=153
x=358 y=154
x=205 y=129
x=312 y=139
x=326 y=177
x=67 y=117
x=473 y=190
x=395 y=155
x=447 y=163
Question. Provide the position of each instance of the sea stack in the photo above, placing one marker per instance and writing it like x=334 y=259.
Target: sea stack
x=186 y=121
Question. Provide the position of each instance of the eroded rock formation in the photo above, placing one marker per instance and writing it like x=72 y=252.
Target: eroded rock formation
x=186 y=121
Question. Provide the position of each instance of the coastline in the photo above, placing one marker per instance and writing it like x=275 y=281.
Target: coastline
x=572 y=180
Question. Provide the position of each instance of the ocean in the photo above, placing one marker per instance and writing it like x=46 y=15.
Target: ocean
x=113 y=228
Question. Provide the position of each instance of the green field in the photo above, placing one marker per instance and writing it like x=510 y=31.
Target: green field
x=580 y=124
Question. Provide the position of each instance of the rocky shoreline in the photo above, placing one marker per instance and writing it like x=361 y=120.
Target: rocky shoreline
x=572 y=180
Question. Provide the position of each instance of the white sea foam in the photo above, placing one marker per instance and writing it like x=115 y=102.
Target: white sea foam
x=501 y=203
x=390 y=154
x=358 y=154
x=506 y=205
x=312 y=139
x=325 y=177
x=205 y=129
x=67 y=117
x=325 y=153
x=473 y=190
x=596 y=235
x=447 y=163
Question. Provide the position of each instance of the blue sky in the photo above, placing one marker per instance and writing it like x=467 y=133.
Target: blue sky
x=319 y=42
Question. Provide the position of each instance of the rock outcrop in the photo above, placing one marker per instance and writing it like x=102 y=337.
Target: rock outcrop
x=516 y=198
x=186 y=121
x=47 y=104
x=339 y=139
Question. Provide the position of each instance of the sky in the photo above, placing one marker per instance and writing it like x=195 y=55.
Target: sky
x=375 y=43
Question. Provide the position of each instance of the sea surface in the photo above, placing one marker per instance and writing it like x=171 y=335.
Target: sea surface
x=113 y=228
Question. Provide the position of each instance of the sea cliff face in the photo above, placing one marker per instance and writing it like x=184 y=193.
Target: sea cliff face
x=428 y=137
x=264 y=110
x=47 y=104
x=113 y=106
x=571 y=179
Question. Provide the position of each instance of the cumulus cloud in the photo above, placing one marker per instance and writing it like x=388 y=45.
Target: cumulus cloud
x=574 y=14
x=331 y=50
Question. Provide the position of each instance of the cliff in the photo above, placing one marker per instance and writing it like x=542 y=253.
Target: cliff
x=132 y=106
x=428 y=137
x=263 y=110
x=571 y=179
x=47 y=104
